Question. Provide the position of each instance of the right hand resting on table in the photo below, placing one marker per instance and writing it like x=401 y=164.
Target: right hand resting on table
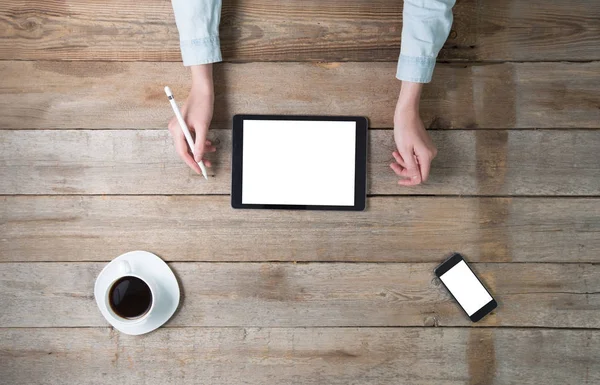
x=197 y=113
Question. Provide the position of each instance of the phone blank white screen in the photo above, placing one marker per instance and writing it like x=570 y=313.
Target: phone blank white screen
x=295 y=162
x=466 y=288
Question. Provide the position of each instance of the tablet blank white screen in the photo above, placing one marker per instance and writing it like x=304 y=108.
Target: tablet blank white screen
x=295 y=162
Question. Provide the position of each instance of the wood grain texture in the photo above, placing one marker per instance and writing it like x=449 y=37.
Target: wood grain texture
x=196 y=228
x=312 y=295
x=267 y=30
x=489 y=162
x=130 y=95
x=87 y=172
x=420 y=356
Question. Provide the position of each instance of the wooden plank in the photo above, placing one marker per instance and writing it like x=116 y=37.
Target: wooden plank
x=312 y=295
x=420 y=356
x=196 y=228
x=266 y=30
x=130 y=95
x=144 y=162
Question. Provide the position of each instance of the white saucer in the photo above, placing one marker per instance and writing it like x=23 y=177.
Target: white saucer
x=144 y=264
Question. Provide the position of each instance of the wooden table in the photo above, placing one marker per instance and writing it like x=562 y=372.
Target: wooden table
x=88 y=171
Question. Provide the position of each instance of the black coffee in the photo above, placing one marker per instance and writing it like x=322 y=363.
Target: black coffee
x=130 y=297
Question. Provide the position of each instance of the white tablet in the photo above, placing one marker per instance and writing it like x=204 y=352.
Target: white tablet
x=299 y=162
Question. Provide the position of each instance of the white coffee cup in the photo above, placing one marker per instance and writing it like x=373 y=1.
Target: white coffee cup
x=125 y=270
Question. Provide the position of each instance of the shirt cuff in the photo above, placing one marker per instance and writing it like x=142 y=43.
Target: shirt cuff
x=201 y=51
x=415 y=69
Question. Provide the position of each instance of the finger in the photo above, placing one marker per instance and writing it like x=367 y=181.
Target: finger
x=184 y=154
x=207 y=163
x=408 y=182
x=411 y=165
x=208 y=147
x=398 y=158
x=187 y=158
x=399 y=170
x=425 y=166
x=199 y=142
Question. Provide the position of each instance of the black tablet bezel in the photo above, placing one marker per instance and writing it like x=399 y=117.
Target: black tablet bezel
x=360 y=177
x=449 y=264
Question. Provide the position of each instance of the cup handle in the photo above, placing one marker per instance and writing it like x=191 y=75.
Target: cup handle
x=125 y=267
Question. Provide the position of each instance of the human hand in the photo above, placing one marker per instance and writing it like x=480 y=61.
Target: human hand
x=415 y=149
x=197 y=112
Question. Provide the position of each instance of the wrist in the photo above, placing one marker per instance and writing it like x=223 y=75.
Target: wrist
x=410 y=96
x=202 y=78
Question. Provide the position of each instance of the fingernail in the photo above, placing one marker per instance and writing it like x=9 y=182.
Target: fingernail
x=415 y=176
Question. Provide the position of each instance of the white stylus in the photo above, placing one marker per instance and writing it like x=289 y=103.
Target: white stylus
x=184 y=127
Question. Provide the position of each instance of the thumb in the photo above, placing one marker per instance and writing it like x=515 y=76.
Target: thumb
x=199 y=143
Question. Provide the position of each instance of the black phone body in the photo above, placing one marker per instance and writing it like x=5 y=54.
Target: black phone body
x=465 y=287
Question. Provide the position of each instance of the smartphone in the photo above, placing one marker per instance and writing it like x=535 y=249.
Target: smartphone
x=465 y=287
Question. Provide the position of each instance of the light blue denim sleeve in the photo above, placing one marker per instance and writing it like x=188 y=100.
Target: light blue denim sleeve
x=426 y=25
x=198 y=25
